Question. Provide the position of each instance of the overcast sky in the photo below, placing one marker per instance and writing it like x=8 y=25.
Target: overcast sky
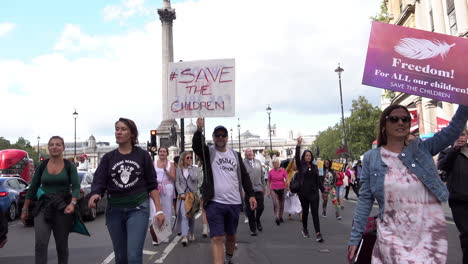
x=103 y=58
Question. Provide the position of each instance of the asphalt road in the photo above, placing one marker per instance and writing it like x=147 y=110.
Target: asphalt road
x=276 y=244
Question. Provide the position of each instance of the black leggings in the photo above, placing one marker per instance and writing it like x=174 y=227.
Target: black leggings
x=313 y=203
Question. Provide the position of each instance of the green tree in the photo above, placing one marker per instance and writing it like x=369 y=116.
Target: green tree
x=4 y=143
x=383 y=15
x=362 y=126
x=328 y=141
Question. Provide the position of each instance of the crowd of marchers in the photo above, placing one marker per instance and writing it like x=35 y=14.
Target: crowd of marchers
x=218 y=183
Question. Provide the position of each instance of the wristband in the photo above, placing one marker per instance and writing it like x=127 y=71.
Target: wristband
x=24 y=210
x=159 y=212
x=73 y=202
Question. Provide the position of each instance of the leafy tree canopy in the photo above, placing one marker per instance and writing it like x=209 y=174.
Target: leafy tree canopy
x=383 y=15
x=360 y=131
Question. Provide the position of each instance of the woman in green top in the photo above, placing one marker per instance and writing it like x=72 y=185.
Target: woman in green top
x=55 y=206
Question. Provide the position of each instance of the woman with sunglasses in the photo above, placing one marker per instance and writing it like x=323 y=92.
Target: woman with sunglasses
x=403 y=178
x=186 y=181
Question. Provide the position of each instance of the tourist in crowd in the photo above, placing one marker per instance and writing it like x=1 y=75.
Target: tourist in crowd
x=454 y=161
x=128 y=177
x=292 y=205
x=277 y=184
x=411 y=225
x=255 y=170
x=186 y=184
x=358 y=171
x=54 y=210
x=309 y=192
x=340 y=188
x=329 y=181
x=351 y=180
x=226 y=177
x=165 y=171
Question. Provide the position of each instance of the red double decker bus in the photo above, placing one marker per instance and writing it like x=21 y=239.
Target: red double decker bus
x=16 y=162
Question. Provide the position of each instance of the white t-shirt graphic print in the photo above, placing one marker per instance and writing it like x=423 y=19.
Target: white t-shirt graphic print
x=125 y=173
x=226 y=182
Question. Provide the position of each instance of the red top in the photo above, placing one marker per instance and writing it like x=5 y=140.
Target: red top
x=339 y=179
x=277 y=179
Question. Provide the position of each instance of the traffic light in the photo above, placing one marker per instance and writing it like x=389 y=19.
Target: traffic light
x=153 y=145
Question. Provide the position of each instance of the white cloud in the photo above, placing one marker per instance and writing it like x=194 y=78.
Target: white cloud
x=285 y=56
x=6 y=28
x=125 y=10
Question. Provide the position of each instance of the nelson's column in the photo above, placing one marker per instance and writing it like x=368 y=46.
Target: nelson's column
x=167 y=16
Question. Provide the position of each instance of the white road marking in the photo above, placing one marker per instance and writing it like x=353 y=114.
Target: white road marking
x=112 y=255
x=165 y=253
x=109 y=258
x=172 y=245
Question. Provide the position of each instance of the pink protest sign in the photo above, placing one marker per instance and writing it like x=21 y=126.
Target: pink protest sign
x=201 y=88
x=417 y=62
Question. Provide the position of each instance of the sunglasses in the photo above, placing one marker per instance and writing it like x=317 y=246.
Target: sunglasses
x=188 y=158
x=220 y=135
x=394 y=119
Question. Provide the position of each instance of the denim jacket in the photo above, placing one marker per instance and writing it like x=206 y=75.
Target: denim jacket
x=418 y=158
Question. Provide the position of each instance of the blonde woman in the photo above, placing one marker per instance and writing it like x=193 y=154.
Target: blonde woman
x=277 y=183
x=292 y=204
x=186 y=181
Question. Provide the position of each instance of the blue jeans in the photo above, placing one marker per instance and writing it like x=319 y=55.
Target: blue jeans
x=127 y=228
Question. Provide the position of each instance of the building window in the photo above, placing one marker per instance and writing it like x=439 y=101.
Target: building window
x=452 y=17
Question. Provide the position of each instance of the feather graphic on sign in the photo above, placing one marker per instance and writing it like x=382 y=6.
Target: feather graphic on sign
x=421 y=49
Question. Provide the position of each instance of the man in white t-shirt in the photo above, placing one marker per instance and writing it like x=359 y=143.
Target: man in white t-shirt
x=225 y=178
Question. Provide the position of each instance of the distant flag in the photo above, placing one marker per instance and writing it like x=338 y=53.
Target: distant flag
x=340 y=150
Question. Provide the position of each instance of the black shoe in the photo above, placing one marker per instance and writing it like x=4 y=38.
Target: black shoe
x=259 y=226
x=346 y=198
x=305 y=233
x=319 y=238
x=277 y=221
x=253 y=233
x=281 y=220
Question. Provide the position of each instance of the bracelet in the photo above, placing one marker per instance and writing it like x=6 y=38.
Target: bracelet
x=24 y=210
x=159 y=212
x=73 y=202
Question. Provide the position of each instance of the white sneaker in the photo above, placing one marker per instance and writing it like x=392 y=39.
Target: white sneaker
x=155 y=243
x=191 y=237
x=184 y=241
x=246 y=221
x=205 y=230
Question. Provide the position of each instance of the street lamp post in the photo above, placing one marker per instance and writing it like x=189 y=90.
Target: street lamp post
x=232 y=141
x=339 y=70
x=38 y=154
x=238 y=129
x=75 y=116
x=269 y=128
